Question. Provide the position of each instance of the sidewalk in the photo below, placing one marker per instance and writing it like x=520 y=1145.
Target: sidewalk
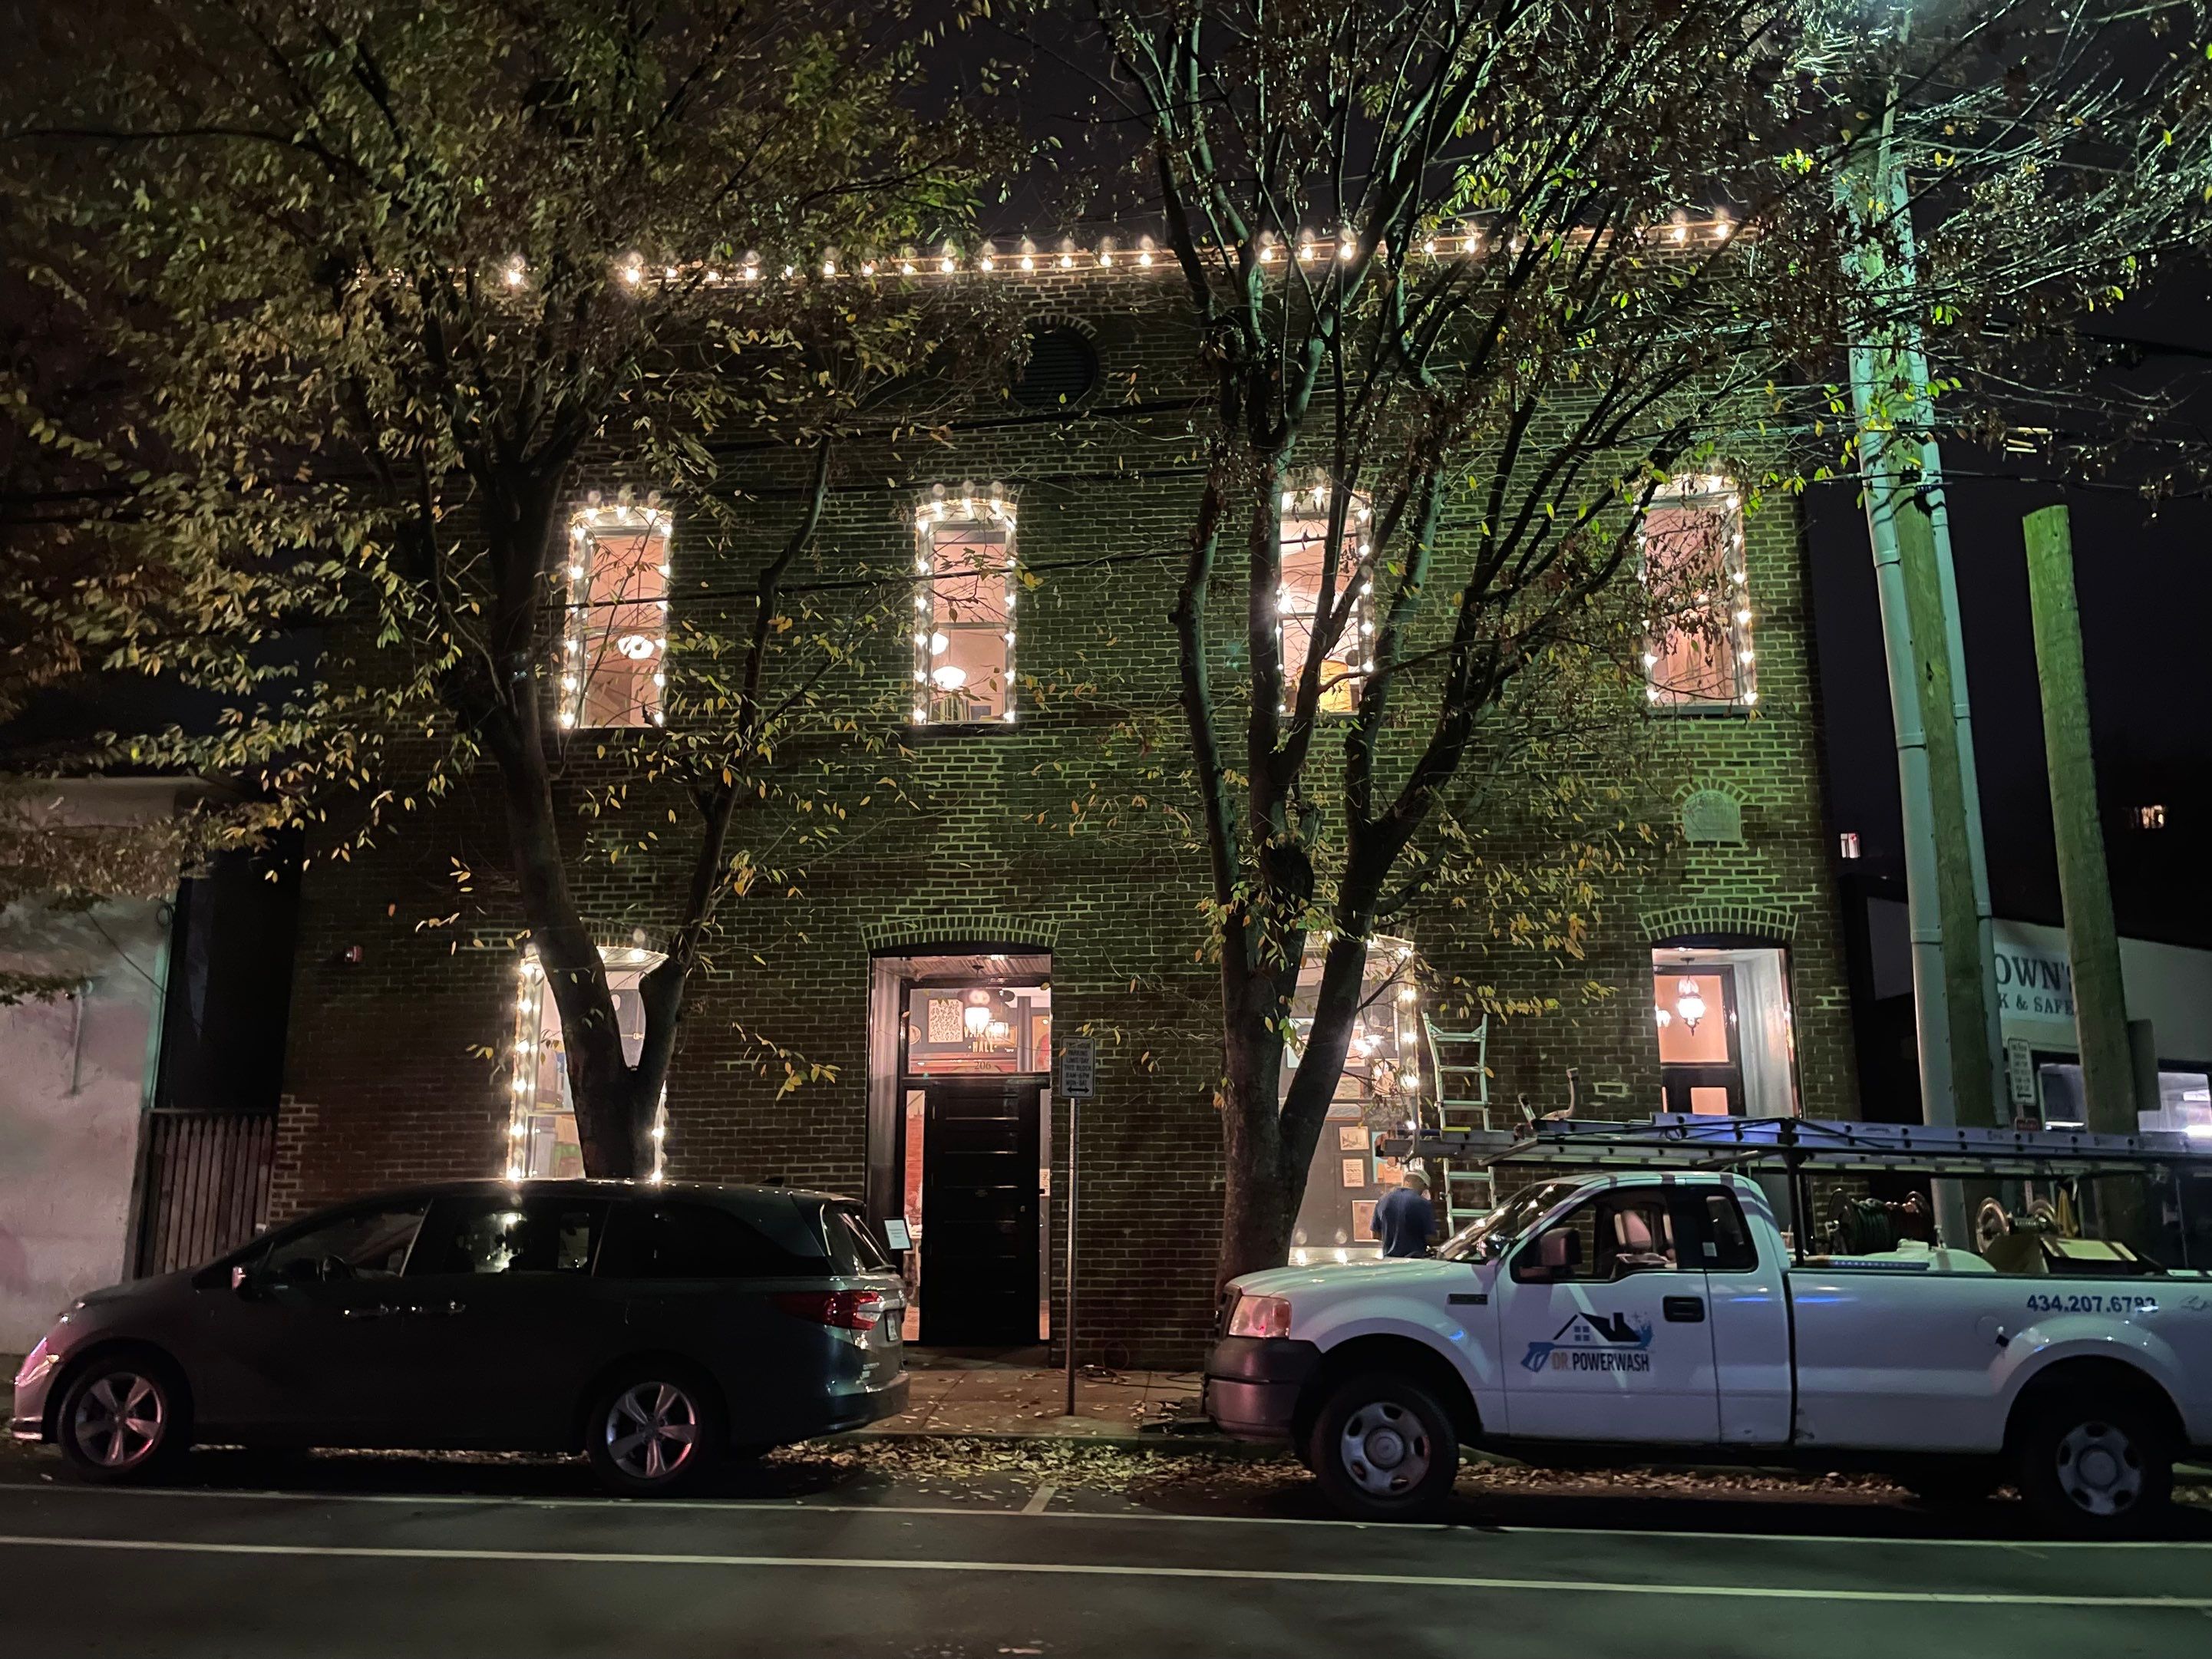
x=982 y=1397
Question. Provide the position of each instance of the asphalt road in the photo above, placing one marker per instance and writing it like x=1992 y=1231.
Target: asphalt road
x=995 y=1566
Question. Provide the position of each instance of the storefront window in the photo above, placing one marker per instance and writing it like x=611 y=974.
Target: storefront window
x=964 y=602
x=1376 y=1095
x=542 y=1121
x=1726 y=1044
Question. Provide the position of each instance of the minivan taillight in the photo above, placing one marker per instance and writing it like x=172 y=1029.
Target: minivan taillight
x=847 y=1311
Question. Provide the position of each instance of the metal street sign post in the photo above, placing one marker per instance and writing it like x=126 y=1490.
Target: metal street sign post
x=1078 y=1071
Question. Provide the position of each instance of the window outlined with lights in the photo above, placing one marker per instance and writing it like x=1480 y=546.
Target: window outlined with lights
x=1303 y=574
x=966 y=588
x=541 y=1128
x=1697 y=651
x=614 y=649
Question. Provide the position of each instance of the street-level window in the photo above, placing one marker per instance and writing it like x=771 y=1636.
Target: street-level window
x=1696 y=650
x=965 y=595
x=614 y=664
x=1343 y=631
x=1378 y=1094
x=542 y=1131
x=1727 y=1046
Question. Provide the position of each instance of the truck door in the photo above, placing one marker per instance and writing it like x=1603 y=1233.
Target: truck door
x=1603 y=1329
x=1747 y=1305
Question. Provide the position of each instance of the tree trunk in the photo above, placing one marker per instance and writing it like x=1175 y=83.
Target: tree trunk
x=614 y=1114
x=1258 y=1207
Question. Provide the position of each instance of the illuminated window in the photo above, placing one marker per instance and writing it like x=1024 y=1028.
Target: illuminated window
x=542 y=1115
x=1377 y=1093
x=1698 y=650
x=1298 y=598
x=614 y=651
x=964 y=595
x=2151 y=817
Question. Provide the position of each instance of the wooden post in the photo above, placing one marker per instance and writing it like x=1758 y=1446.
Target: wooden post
x=1966 y=990
x=2092 y=943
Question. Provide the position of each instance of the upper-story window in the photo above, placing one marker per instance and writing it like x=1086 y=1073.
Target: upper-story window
x=614 y=650
x=964 y=594
x=1697 y=653
x=1349 y=656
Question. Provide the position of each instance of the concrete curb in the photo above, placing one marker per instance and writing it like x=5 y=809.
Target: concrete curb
x=1143 y=1444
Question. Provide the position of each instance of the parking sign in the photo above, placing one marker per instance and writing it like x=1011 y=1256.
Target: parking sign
x=1079 y=1067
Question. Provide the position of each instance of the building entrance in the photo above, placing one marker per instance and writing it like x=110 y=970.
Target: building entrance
x=960 y=1133
x=980 y=1201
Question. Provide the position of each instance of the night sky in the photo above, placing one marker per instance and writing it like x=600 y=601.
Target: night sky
x=2145 y=587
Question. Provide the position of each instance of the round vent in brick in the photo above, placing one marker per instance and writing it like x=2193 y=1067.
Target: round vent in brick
x=1062 y=370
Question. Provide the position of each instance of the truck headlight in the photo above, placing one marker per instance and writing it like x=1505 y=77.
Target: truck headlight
x=1260 y=1316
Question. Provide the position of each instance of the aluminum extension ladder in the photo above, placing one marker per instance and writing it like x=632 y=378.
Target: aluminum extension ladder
x=1458 y=1061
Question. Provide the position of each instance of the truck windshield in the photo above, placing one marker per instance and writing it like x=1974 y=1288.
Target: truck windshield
x=1486 y=1237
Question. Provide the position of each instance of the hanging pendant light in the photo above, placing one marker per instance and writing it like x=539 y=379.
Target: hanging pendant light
x=1687 y=1003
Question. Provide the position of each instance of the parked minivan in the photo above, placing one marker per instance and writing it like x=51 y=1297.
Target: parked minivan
x=656 y=1327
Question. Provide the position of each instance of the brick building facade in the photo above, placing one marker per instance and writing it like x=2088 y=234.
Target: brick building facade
x=1034 y=853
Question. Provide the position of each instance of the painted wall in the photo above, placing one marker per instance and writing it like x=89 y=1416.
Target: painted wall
x=71 y=1077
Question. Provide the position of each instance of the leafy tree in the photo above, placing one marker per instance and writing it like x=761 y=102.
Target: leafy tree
x=1475 y=279
x=383 y=286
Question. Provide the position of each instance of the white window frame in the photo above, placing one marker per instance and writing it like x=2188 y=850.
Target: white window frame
x=1308 y=504
x=528 y=1101
x=1691 y=492
x=584 y=636
x=992 y=510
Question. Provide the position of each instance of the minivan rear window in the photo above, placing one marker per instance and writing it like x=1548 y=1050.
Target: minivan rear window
x=852 y=1246
x=677 y=1240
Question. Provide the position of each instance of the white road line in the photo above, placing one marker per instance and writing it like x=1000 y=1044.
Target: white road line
x=1103 y=1569
x=1040 y=1499
x=785 y=1506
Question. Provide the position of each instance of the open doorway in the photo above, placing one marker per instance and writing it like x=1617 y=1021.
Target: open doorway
x=960 y=1060
x=1726 y=1044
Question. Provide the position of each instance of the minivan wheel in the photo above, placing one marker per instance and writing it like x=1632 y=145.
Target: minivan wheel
x=2093 y=1467
x=654 y=1430
x=1384 y=1449
x=122 y=1418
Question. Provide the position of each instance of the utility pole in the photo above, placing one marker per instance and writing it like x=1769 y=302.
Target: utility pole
x=2093 y=940
x=1946 y=877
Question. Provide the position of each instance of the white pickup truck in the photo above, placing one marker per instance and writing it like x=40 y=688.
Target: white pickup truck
x=1648 y=1315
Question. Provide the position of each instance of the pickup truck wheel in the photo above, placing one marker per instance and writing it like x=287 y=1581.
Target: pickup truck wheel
x=2096 y=1467
x=1384 y=1449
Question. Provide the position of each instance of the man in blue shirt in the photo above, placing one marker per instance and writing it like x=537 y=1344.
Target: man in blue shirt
x=1404 y=1220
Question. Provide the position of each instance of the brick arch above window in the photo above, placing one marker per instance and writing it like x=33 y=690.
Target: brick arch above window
x=1704 y=916
x=949 y=927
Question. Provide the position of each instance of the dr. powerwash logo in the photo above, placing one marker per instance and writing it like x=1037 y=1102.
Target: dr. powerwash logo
x=1594 y=1342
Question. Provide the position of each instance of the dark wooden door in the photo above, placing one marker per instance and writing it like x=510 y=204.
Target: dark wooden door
x=979 y=1235
x=1678 y=1080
